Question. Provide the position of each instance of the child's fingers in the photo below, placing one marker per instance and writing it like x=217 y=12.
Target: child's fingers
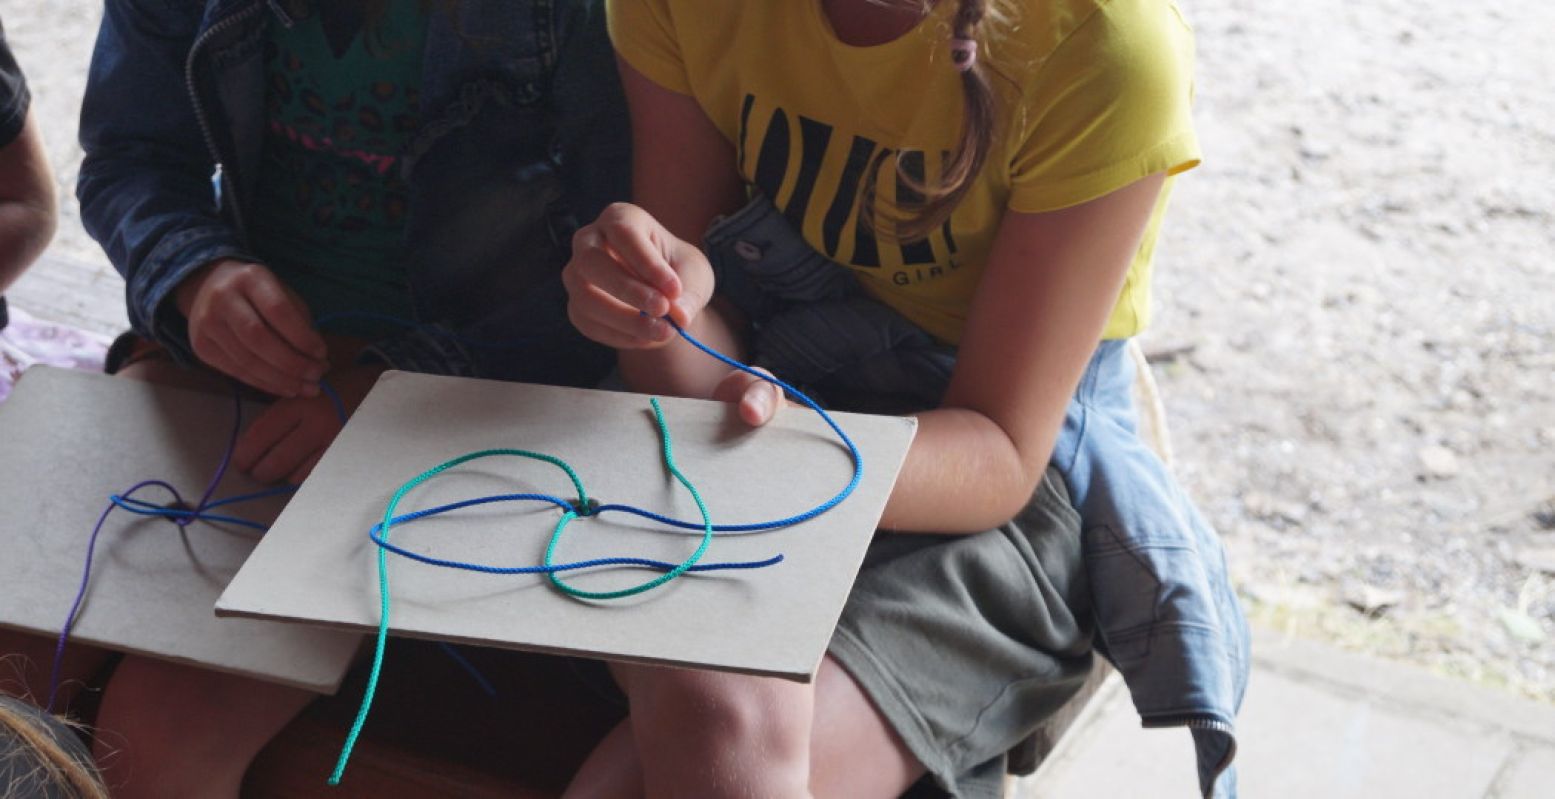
x=599 y=268
x=285 y=315
x=761 y=402
x=629 y=232
x=613 y=323
x=696 y=282
x=211 y=351
x=301 y=472
x=252 y=362
x=216 y=350
x=254 y=333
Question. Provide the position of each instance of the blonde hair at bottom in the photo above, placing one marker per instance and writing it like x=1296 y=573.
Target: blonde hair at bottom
x=41 y=764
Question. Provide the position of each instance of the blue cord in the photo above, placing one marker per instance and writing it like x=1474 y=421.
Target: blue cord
x=469 y=668
x=858 y=460
x=375 y=532
x=334 y=398
x=144 y=508
x=378 y=533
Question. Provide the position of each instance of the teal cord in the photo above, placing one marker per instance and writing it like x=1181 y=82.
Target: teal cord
x=383 y=582
x=381 y=534
x=383 y=561
x=707 y=531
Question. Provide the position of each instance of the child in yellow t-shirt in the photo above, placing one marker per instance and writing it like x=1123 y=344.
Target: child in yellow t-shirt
x=945 y=208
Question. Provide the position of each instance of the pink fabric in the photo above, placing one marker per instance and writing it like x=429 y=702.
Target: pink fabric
x=27 y=341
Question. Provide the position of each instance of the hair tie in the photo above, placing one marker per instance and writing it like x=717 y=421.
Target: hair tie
x=963 y=53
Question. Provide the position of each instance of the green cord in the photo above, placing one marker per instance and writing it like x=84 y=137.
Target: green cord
x=550 y=551
x=707 y=532
x=383 y=580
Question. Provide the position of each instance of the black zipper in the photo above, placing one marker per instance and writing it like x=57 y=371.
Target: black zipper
x=218 y=177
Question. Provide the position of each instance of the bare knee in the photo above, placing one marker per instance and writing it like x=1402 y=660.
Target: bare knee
x=170 y=730
x=710 y=734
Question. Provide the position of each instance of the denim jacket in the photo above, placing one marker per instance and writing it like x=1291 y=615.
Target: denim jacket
x=525 y=133
x=1166 y=614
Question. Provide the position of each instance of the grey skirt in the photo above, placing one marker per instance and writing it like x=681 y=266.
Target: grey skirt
x=966 y=643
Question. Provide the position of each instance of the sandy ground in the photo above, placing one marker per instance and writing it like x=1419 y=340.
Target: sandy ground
x=1356 y=313
x=1361 y=283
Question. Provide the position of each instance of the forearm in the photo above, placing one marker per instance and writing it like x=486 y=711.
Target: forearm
x=28 y=204
x=1051 y=283
x=25 y=231
x=963 y=474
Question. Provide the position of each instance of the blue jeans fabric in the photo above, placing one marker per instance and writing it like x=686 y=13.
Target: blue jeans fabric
x=525 y=133
x=1166 y=614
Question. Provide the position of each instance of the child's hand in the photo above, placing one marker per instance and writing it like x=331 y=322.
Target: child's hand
x=759 y=400
x=245 y=323
x=625 y=265
x=287 y=439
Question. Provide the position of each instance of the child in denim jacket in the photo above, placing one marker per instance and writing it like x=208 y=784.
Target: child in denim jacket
x=301 y=192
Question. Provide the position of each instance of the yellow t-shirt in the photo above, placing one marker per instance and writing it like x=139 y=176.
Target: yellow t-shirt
x=1092 y=95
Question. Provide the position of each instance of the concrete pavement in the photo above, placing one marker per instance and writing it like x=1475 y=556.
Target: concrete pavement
x=1318 y=722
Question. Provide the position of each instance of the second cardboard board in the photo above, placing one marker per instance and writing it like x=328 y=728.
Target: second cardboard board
x=317 y=565
x=68 y=441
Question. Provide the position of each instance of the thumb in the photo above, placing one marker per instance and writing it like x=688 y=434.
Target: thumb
x=696 y=283
x=759 y=400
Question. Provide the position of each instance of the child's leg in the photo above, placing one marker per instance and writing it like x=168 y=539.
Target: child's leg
x=27 y=661
x=613 y=769
x=709 y=734
x=853 y=751
x=168 y=730
x=156 y=366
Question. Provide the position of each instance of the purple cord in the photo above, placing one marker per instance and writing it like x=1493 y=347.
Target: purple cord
x=181 y=521
x=86 y=576
x=226 y=458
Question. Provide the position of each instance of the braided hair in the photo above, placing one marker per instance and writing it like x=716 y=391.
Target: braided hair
x=973 y=145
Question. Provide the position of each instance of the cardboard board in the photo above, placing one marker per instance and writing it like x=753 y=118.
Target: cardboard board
x=69 y=439
x=318 y=565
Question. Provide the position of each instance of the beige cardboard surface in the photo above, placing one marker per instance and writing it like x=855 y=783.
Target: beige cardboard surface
x=69 y=439
x=317 y=564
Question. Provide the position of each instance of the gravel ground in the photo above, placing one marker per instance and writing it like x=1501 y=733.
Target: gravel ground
x=1356 y=313
x=1357 y=302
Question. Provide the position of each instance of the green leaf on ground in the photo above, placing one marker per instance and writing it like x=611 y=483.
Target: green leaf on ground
x=1522 y=626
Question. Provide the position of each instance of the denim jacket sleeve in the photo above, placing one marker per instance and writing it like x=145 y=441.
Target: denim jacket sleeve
x=145 y=183
x=593 y=132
